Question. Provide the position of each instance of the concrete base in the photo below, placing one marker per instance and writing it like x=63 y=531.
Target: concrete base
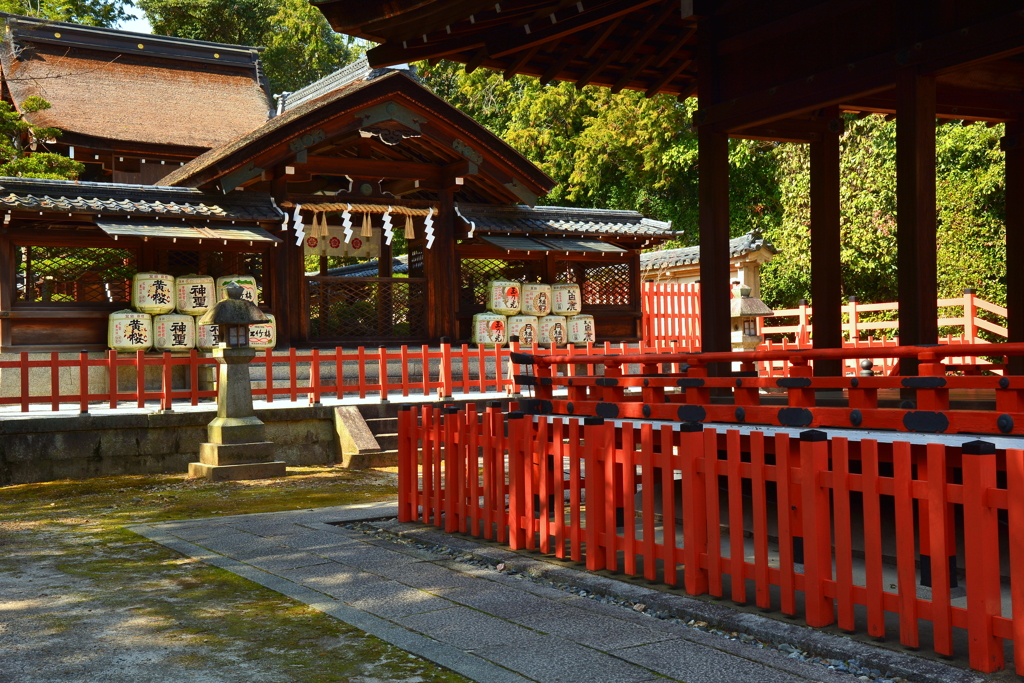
x=362 y=461
x=217 y=454
x=252 y=470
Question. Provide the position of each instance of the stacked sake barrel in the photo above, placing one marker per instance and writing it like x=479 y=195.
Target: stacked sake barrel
x=533 y=312
x=165 y=313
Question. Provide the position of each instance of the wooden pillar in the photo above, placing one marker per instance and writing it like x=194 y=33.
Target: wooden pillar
x=1013 y=145
x=439 y=269
x=287 y=276
x=915 y=211
x=826 y=267
x=713 y=198
x=8 y=268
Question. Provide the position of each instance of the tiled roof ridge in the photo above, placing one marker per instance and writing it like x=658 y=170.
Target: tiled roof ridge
x=738 y=246
x=68 y=196
x=85 y=31
x=540 y=211
x=524 y=220
x=359 y=70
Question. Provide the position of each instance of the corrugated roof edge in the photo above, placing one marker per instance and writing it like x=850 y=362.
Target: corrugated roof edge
x=738 y=246
x=562 y=212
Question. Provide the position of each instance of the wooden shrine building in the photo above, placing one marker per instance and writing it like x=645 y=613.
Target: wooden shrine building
x=362 y=145
x=787 y=70
x=191 y=169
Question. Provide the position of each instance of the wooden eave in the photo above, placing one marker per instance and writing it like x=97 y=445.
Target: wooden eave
x=770 y=66
x=338 y=120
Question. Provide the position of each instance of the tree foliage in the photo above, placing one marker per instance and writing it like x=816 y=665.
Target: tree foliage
x=300 y=45
x=626 y=151
x=18 y=138
x=88 y=12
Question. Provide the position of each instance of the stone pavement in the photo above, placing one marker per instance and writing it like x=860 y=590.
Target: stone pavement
x=478 y=622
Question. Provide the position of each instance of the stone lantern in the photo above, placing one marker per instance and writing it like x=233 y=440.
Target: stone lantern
x=236 y=448
x=745 y=310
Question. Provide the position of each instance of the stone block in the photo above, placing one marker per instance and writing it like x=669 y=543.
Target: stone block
x=354 y=436
x=235 y=430
x=235 y=453
x=259 y=470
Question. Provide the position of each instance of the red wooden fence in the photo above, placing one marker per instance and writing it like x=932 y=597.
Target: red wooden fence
x=588 y=489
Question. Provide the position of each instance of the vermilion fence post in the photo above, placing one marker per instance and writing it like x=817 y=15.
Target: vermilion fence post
x=713 y=512
x=844 y=530
x=936 y=529
x=1015 y=518
x=816 y=527
x=54 y=381
x=111 y=378
x=23 y=367
x=970 y=316
x=407 y=465
x=140 y=378
x=452 y=480
x=667 y=459
x=695 y=532
x=981 y=548
x=759 y=501
x=518 y=470
x=872 y=538
x=737 y=552
x=167 y=387
x=906 y=571
x=786 y=500
x=314 y=377
x=382 y=364
x=83 y=382
x=268 y=369
x=596 y=438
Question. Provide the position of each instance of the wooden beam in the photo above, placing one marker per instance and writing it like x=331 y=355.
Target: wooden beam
x=985 y=41
x=373 y=168
x=1013 y=145
x=504 y=41
x=559 y=63
x=826 y=266
x=915 y=211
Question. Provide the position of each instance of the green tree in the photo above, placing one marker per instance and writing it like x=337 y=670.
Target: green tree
x=300 y=45
x=18 y=137
x=88 y=12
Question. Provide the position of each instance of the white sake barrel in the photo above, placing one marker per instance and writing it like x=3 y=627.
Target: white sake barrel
x=489 y=330
x=504 y=297
x=129 y=331
x=153 y=293
x=174 y=332
x=246 y=282
x=194 y=294
x=552 y=330
x=565 y=299
x=536 y=299
x=524 y=327
x=263 y=336
x=582 y=329
x=207 y=336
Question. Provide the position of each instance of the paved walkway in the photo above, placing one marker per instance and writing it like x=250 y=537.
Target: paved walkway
x=481 y=623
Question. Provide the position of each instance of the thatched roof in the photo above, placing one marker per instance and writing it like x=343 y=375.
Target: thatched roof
x=109 y=85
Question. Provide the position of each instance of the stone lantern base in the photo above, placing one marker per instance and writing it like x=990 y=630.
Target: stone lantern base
x=236 y=461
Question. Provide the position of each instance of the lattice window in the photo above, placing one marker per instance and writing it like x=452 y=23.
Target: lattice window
x=605 y=284
x=214 y=264
x=74 y=274
x=475 y=273
x=390 y=309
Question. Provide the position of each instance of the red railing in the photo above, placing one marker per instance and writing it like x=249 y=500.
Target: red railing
x=679 y=387
x=650 y=500
x=57 y=380
x=671 y=312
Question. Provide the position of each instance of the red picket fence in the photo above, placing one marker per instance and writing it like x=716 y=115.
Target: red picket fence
x=671 y=312
x=308 y=374
x=651 y=501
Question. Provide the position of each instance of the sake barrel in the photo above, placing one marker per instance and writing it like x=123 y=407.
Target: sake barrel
x=194 y=294
x=536 y=299
x=246 y=282
x=552 y=330
x=504 y=297
x=153 y=293
x=129 y=331
x=565 y=299
x=489 y=329
x=207 y=336
x=174 y=332
x=582 y=329
x=263 y=336
x=524 y=327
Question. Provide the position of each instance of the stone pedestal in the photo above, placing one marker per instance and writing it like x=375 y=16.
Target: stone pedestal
x=237 y=448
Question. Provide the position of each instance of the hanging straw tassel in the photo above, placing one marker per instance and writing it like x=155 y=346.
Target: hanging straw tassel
x=409 y=233
x=367 y=226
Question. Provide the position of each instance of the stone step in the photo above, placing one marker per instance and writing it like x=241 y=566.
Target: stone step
x=381 y=425
x=387 y=442
x=388 y=458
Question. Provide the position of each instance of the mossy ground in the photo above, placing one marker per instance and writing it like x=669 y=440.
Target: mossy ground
x=85 y=599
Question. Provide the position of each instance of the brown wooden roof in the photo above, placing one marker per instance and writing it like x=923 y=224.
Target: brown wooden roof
x=325 y=131
x=127 y=88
